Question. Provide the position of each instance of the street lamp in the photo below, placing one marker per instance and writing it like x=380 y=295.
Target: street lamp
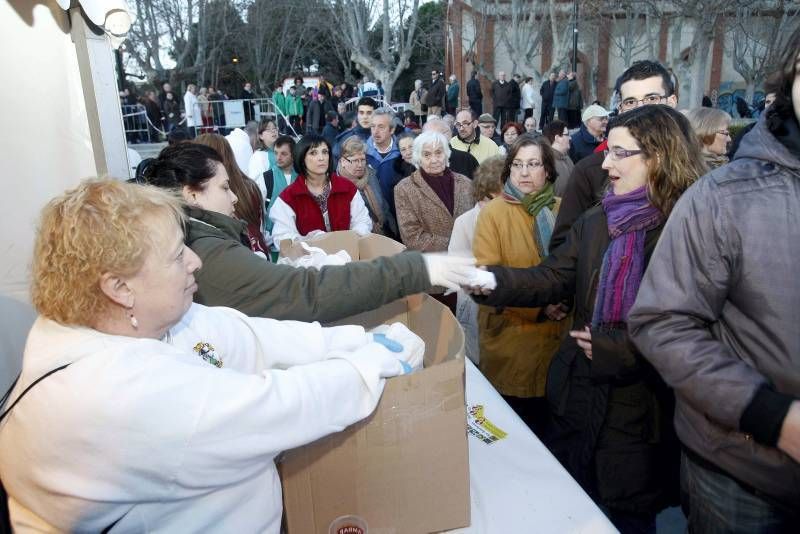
x=575 y=36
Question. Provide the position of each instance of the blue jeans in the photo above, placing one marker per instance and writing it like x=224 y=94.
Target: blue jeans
x=717 y=504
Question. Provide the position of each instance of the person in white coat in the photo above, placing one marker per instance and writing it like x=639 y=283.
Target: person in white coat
x=156 y=414
x=192 y=109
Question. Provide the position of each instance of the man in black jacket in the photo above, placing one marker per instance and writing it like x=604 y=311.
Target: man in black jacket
x=435 y=95
x=547 y=89
x=501 y=96
x=474 y=94
x=645 y=82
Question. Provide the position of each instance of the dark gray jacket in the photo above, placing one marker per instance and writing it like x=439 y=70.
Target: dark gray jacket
x=717 y=313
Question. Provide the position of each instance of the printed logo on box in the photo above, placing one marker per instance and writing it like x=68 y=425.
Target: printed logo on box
x=348 y=524
x=480 y=427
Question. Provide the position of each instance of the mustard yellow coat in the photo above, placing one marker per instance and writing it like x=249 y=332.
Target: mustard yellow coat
x=516 y=344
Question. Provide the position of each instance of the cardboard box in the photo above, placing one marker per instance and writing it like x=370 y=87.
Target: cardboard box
x=404 y=469
x=358 y=247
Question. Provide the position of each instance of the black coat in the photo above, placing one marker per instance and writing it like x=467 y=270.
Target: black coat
x=474 y=93
x=501 y=94
x=585 y=188
x=435 y=95
x=547 y=90
x=611 y=416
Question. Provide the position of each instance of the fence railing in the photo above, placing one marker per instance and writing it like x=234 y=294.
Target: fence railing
x=216 y=116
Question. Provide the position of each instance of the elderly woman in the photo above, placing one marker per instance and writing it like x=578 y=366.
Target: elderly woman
x=431 y=198
x=415 y=101
x=153 y=410
x=249 y=206
x=319 y=200
x=611 y=414
x=263 y=159
x=711 y=128
x=353 y=166
x=517 y=344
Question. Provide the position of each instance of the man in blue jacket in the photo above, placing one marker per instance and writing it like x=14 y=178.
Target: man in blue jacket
x=382 y=151
x=561 y=96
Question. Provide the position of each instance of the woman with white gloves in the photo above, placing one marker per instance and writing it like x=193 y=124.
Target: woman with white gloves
x=154 y=413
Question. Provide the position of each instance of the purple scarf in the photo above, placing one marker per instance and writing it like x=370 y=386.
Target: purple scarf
x=629 y=216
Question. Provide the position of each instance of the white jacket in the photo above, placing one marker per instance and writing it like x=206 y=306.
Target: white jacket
x=149 y=432
x=192 y=110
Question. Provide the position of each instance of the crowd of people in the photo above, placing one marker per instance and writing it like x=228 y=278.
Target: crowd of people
x=641 y=323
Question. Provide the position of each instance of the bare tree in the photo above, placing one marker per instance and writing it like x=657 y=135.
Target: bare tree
x=705 y=16
x=757 y=35
x=523 y=27
x=632 y=27
x=396 y=22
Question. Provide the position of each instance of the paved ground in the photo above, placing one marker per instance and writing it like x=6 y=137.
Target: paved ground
x=147 y=150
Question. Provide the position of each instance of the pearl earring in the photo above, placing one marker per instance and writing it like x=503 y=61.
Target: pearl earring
x=134 y=322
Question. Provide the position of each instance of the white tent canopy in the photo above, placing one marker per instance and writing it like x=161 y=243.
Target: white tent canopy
x=54 y=65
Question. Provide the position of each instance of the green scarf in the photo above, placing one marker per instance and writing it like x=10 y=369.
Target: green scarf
x=535 y=204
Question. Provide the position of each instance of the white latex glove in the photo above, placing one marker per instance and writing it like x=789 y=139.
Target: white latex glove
x=374 y=362
x=451 y=272
x=409 y=348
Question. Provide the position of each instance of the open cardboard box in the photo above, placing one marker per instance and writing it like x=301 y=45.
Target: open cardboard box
x=404 y=469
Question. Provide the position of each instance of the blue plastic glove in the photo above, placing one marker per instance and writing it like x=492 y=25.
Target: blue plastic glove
x=390 y=344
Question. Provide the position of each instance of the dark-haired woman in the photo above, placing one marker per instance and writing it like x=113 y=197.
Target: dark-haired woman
x=611 y=413
x=516 y=344
x=319 y=200
x=249 y=206
x=233 y=276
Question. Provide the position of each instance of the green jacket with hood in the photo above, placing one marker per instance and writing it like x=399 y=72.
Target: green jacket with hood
x=233 y=276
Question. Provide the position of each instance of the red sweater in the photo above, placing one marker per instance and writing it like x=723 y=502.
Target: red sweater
x=306 y=209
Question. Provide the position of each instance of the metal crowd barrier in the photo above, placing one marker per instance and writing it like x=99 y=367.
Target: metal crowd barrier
x=217 y=116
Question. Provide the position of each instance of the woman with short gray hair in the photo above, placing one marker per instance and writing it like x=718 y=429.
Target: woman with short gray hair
x=432 y=197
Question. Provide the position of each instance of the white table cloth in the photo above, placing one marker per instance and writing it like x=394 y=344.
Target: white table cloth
x=516 y=485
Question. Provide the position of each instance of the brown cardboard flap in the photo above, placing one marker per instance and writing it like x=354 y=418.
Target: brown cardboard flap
x=404 y=469
x=358 y=247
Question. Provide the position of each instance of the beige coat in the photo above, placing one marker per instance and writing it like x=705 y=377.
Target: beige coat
x=423 y=220
x=516 y=344
x=416 y=103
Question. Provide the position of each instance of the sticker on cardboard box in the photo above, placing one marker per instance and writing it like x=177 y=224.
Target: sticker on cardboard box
x=481 y=427
x=348 y=524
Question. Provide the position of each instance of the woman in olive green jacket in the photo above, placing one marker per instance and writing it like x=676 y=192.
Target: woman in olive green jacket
x=233 y=276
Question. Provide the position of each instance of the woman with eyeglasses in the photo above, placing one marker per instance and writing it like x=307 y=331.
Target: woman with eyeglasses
x=610 y=413
x=711 y=127
x=513 y=230
x=353 y=166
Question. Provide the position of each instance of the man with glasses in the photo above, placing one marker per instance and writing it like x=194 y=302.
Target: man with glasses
x=469 y=139
x=435 y=95
x=643 y=83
